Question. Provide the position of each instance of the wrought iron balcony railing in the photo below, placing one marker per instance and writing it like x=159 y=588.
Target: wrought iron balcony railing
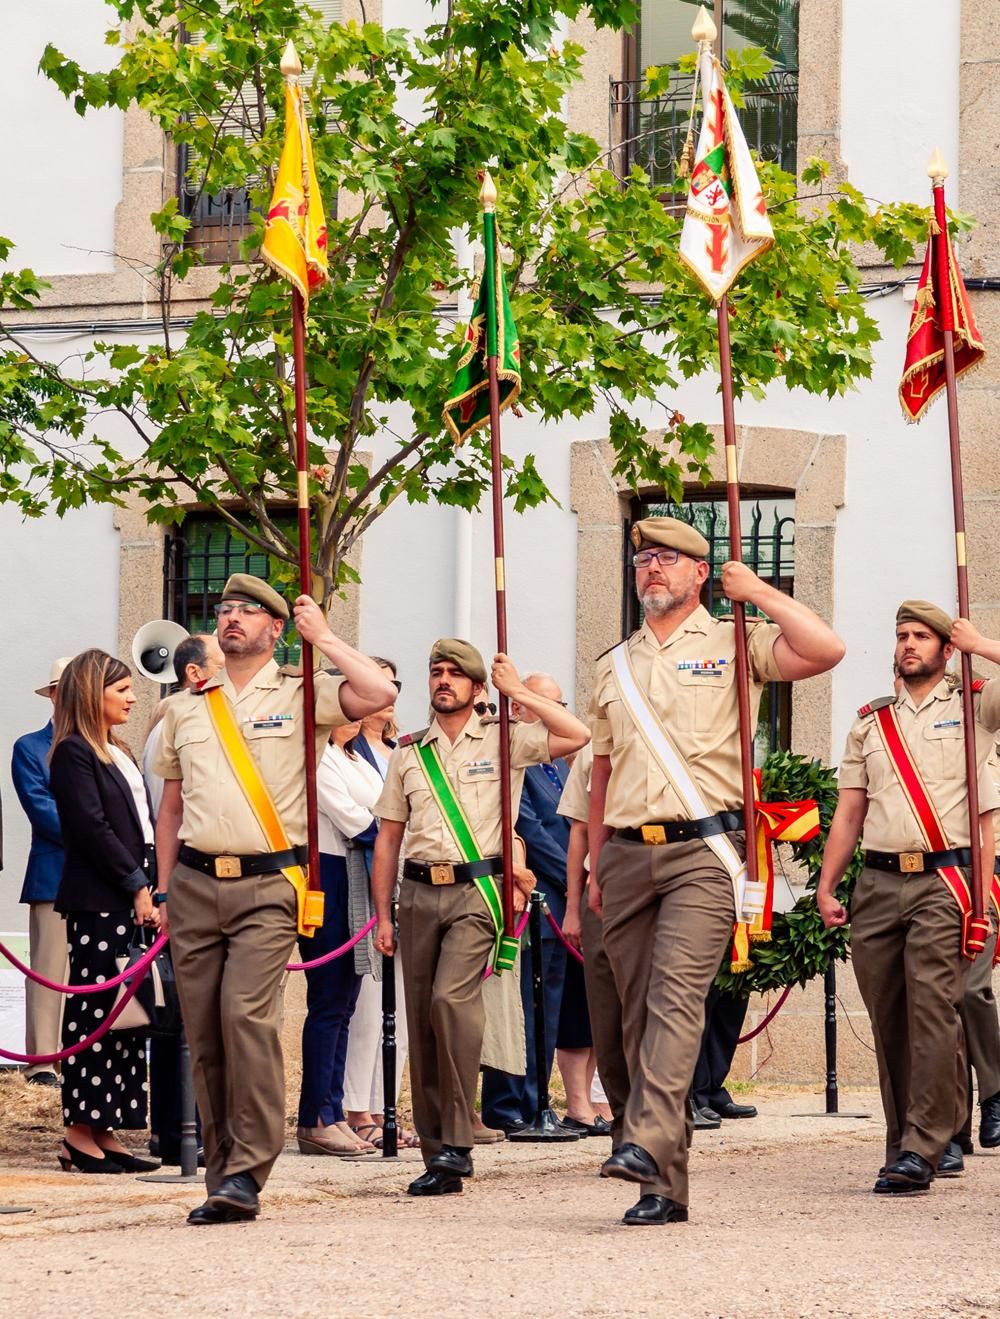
x=651 y=133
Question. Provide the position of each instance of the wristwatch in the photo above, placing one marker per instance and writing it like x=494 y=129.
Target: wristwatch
x=159 y=898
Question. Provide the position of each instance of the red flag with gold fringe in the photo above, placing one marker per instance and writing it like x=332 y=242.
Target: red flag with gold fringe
x=923 y=370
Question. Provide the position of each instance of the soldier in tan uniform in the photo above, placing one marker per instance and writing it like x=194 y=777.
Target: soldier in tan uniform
x=445 y=928
x=906 y=922
x=232 y=911
x=666 y=826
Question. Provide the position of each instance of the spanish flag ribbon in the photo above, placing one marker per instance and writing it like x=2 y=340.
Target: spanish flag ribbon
x=295 y=235
x=775 y=822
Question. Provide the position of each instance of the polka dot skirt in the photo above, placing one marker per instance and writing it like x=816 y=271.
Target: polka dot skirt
x=103 y=1086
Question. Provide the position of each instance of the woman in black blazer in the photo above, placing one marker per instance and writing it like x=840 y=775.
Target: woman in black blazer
x=105 y=889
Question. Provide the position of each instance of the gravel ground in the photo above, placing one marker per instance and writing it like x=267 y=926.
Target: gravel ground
x=783 y=1224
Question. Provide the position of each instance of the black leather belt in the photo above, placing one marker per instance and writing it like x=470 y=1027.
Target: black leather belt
x=682 y=831
x=447 y=872
x=918 y=863
x=226 y=866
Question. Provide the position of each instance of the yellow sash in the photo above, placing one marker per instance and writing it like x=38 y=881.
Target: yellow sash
x=257 y=793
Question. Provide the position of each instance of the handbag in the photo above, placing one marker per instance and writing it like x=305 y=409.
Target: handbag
x=154 y=1009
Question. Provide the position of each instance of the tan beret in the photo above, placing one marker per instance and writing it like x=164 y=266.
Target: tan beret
x=672 y=533
x=922 y=611
x=241 y=586
x=462 y=653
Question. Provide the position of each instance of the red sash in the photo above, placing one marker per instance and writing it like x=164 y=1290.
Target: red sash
x=974 y=933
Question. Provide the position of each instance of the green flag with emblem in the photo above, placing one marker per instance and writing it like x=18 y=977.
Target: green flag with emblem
x=491 y=332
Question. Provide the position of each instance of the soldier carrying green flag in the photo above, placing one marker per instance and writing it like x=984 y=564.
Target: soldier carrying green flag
x=443 y=790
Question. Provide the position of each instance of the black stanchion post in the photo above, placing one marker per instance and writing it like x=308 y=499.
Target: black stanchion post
x=832 y=1106
x=189 y=1124
x=189 y=1119
x=830 y=1031
x=546 y=1126
x=390 y=1128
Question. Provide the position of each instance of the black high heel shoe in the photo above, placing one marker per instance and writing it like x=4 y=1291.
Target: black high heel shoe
x=129 y=1162
x=74 y=1158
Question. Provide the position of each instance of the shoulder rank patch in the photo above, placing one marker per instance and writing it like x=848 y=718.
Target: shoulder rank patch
x=879 y=704
x=978 y=684
x=617 y=643
x=407 y=739
x=291 y=670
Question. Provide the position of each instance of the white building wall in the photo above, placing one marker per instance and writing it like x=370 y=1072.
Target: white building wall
x=62 y=173
x=900 y=95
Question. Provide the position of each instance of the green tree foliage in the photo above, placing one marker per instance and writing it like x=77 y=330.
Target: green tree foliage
x=606 y=313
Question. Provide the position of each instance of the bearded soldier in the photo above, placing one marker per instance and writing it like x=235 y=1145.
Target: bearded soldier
x=666 y=826
x=903 y=791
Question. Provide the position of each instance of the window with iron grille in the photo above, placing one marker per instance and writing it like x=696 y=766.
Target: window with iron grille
x=198 y=558
x=221 y=220
x=651 y=133
x=768 y=534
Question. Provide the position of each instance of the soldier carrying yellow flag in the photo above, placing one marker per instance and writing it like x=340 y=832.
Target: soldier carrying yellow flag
x=237 y=853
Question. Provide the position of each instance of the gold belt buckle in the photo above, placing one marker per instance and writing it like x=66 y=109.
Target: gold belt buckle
x=911 y=863
x=228 y=867
x=443 y=873
x=654 y=835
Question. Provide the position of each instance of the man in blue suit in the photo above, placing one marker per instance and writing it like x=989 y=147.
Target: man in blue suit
x=46 y=930
x=511 y=1102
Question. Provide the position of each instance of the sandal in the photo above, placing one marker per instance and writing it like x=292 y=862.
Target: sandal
x=330 y=1141
x=362 y=1134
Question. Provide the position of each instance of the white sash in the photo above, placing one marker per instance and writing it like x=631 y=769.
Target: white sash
x=676 y=771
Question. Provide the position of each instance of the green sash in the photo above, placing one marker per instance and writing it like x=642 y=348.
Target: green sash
x=505 y=947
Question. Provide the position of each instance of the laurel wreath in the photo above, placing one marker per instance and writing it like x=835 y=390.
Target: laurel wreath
x=800 y=947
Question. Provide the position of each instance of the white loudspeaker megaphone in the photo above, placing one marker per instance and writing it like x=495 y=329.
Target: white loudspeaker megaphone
x=153 y=649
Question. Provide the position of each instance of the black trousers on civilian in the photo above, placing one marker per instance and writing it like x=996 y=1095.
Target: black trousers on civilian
x=724 y=1018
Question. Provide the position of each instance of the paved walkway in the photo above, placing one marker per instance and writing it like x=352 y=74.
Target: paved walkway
x=783 y=1224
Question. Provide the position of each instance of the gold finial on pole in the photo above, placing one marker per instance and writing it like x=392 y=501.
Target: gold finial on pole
x=488 y=193
x=937 y=168
x=291 y=65
x=704 y=30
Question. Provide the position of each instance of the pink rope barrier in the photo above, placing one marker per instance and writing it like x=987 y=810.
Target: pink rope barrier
x=562 y=938
x=750 y=1035
x=518 y=931
x=337 y=952
x=159 y=943
x=137 y=971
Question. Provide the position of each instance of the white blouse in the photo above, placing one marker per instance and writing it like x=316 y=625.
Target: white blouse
x=134 y=779
x=346 y=792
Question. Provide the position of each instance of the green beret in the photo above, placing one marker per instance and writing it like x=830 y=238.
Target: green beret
x=922 y=611
x=241 y=586
x=462 y=653
x=672 y=533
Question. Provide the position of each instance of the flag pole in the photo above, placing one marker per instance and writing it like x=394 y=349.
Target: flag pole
x=291 y=67
x=488 y=201
x=705 y=32
x=937 y=171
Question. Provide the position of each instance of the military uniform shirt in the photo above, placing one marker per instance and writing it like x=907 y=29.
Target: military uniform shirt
x=472 y=763
x=690 y=681
x=934 y=732
x=574 y=803
x=217 y=816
